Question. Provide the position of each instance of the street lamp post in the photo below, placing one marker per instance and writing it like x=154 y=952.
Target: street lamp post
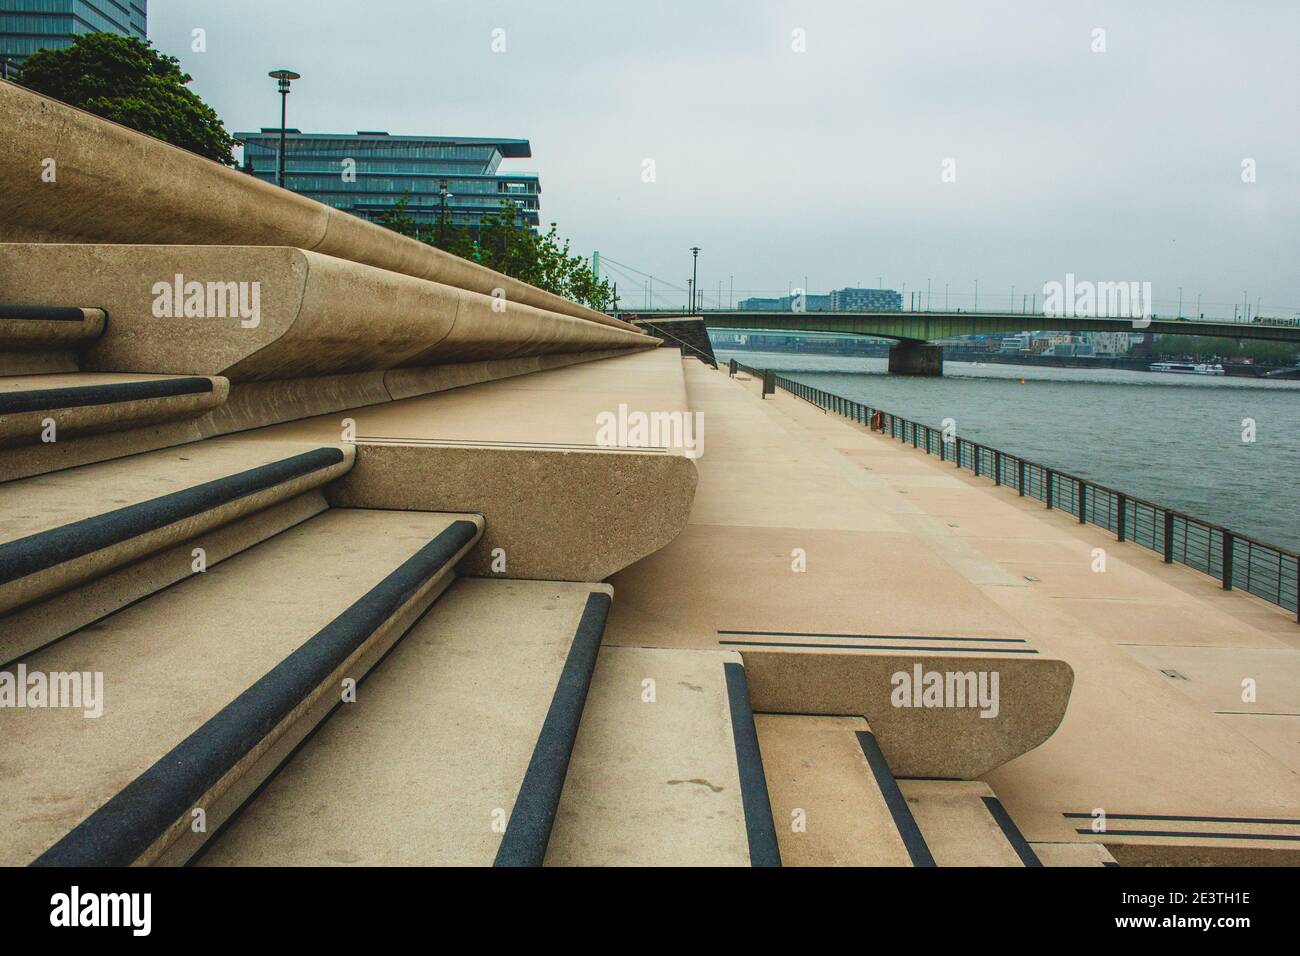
x=443 y=196
x=284 y=77
x=695 y=275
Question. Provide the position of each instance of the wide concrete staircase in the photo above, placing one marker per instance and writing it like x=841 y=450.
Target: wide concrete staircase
x=326 y=584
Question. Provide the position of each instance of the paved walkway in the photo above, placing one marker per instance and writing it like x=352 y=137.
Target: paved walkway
x=898 y=543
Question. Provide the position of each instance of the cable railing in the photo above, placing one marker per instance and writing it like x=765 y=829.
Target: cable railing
x=1236 y=560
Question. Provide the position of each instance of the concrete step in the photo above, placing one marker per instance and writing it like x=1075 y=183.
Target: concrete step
x=87 y=403
x=37 y=339
x=466 y=727
x=951 y=707
x=98 y=537
x=833 y=798
x=208 y=685
x=1188 y=839
x=1073 y=854
x=667 y=769
x=964 y=824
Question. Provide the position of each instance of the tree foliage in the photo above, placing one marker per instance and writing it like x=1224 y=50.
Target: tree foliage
x=501 y=242
x=126 y=80
x=1206 y=348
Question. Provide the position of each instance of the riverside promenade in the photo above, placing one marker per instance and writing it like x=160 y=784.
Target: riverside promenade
x=1156 y=734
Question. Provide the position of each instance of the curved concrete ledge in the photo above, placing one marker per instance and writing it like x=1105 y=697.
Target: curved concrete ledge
x=81 y=404
x=584 y=515
x=940 y=741
x=258 y=404
x=48 y=327
x=307 y=314
x=33 y=626
x=116 y=185
x=51 y=559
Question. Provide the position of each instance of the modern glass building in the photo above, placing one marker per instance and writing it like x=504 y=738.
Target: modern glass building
x=30 y=25
x=866 y=300
x=367 y=174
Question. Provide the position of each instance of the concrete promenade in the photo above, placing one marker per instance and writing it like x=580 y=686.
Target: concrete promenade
x=899 y=543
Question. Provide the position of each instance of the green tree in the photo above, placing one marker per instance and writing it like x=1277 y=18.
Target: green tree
x=126 y=80
x=502 y=242
x=1205 y=348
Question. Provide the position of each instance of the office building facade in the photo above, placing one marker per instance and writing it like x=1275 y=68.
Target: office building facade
x=369 y=173
x=30 y=25
x=866 y=300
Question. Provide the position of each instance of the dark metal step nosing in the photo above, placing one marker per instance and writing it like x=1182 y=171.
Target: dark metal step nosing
x=46 y=549
x=41 y=313
x=111 y=393
x=132 y=821
x=1012 y=832
x=528 y=833
x=760 y=828
x=913 y=839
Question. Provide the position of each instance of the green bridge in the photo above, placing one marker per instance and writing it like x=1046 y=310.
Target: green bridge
x=914 y=330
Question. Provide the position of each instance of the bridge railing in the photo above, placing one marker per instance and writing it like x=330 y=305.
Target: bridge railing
x=1236 y=560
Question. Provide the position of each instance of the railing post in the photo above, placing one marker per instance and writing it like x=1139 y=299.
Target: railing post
x=1227 y=561
x=1083 y=502
x=943 y=449
x=1121 y=520
x=1020 y=477
x=997 y=468
x=1169 y=537
x=1049 y=485
x=769 y=383
x=975 y=449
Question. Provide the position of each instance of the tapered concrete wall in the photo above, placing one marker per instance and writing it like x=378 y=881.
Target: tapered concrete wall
x=113 y=184
x=316 y=315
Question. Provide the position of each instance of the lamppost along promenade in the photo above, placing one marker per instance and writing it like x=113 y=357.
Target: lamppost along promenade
x=284 y=77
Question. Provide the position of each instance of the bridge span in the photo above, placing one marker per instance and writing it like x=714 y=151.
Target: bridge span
x=914 y=331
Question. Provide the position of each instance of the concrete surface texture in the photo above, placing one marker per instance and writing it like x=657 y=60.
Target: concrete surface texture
x=528 y=453
x=254 y=313
x=653 y=780
x=424 y=768
x=168 y=664
x=116 y=185
x=826 y=803
x=892 y=542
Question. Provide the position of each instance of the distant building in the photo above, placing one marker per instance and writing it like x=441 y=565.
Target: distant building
x=30 y=25
x=866 y=300
x=811 y=303
x=367 y=174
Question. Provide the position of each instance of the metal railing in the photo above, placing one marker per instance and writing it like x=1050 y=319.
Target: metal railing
x=1236 y=560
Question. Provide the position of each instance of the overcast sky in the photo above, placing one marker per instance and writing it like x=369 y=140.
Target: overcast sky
x=827 y=163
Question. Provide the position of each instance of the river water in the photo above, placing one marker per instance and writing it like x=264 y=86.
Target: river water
x=1175 y=440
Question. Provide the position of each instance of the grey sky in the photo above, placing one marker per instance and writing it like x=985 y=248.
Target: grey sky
x=1119 y=165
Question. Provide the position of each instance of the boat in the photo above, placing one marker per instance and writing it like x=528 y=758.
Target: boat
x=1187 y=368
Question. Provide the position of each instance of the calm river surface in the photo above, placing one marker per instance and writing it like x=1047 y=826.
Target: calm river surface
x=1175 y=440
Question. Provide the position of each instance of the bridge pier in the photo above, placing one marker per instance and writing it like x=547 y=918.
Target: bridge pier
x=915 y=358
